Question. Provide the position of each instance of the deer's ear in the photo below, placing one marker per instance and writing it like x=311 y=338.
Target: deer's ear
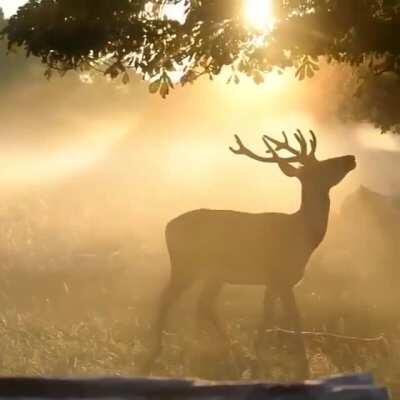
x=289 y=170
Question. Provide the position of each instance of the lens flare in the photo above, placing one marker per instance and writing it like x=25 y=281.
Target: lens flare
x=260 y=14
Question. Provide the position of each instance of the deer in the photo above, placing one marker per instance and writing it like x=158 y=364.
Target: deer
x=271 y=249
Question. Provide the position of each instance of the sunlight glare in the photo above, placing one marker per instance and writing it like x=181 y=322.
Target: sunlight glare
x=10 y=7
x=259 y=14
x=175 y=12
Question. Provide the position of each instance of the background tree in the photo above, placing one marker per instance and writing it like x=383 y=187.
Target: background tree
x=115 y=38
x=2 y=20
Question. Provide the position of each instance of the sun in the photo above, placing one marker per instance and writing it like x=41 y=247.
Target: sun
x=260 y=14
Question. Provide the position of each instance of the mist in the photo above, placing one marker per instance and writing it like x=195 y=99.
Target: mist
x=153 y=159
x=93 y=170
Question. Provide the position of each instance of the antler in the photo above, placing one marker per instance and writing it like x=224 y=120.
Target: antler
x=243 y=150
x=301 y=156
x=281 y=145
x=313 y=142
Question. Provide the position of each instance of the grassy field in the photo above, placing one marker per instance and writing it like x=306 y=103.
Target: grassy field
x=94 y=322
x=74 y=302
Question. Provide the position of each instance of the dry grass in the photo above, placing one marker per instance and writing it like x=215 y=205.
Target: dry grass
x=69 y=311
x=86 y=329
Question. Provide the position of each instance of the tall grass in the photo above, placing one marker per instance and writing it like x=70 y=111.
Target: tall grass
x=74 y=301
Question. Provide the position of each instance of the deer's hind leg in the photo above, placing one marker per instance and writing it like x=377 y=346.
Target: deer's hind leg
x=169 y=296
x=207 y=306
x=208 y=312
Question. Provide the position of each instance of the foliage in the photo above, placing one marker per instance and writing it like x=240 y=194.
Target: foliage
x=129 y=34
x=2 y=20
x=115 y=38
x=376 y=98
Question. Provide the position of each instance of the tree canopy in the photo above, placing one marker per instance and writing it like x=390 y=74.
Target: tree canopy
x=118 y=37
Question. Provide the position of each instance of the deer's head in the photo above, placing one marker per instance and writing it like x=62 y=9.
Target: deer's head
x=322 y=174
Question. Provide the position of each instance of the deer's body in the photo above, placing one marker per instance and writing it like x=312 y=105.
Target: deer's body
x=270 y=249
x=242 y=248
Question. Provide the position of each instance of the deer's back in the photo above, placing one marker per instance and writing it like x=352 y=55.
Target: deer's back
x=240 y=247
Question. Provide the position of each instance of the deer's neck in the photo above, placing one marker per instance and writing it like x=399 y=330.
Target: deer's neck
x=314 y=212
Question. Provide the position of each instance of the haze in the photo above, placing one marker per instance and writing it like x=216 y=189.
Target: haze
x=91 y=167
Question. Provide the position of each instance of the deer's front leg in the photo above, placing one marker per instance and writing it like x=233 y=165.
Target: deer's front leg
x=294 y=323
x=269 y=317
x=261 y=365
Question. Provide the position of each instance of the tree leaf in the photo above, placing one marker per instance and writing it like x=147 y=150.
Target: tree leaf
x=258 y=77
x=169 y=81
x=155 y=86
x=164 y=90
x=48 y=73
x=299 y=71
x=189 y=77
x=169 y=66
x=125 y=78
x=85 y=66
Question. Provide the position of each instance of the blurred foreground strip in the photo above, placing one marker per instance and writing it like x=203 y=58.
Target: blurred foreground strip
x=344 y=388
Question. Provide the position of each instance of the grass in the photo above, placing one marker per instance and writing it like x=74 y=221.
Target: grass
x=66 y=310
x=86 y=330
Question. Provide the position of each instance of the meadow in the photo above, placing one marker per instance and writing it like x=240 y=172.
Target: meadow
x=74 y=310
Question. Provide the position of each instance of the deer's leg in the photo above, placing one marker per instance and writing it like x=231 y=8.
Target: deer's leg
x=294 y=322
x=268 y=322
x=269 y=317
x=168 y=298
x=207 y=312
x=207 y=306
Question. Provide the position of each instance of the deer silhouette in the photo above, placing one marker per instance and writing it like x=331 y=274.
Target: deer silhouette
x=271 y=249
